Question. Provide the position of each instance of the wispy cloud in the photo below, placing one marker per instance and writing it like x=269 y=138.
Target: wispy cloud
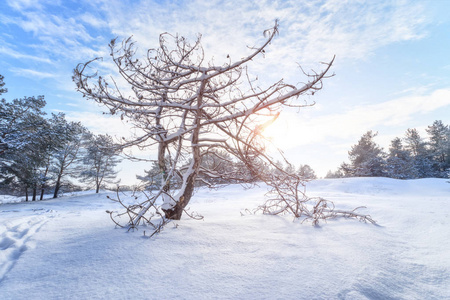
x=417 y=90
x=22 y=5
x=92 y=20
x=72 y=104
x=30 y=73
x=310 y=32
x=68 y=30
x=59 y=36
x=18 y=55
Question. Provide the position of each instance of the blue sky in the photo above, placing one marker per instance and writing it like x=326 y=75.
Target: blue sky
x=392 y=69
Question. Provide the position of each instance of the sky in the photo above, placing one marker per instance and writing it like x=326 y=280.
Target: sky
x=391 y=72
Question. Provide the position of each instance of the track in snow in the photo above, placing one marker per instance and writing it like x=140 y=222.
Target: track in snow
x=15 y=238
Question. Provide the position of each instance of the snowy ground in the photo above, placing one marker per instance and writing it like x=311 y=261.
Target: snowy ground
x=69 y=249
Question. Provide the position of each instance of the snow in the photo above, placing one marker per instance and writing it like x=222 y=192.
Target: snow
x=68 y=248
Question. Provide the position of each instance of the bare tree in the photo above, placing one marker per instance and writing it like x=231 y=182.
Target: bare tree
x=191 y=109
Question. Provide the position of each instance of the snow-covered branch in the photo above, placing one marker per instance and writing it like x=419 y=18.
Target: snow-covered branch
x=203 y=117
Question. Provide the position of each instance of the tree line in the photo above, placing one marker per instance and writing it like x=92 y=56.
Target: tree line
x=41 y=153
x=221 y=163
x=409 y=157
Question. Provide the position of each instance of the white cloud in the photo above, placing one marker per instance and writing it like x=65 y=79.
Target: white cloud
x=100 y=123
x=73 y=104
x=66 y=30
x=394 y=112
x=17 y=55
x=56 y=36
x=293 y=130
x=30 y=73
x=91 y=20
x=308 y=31
x=25 y=4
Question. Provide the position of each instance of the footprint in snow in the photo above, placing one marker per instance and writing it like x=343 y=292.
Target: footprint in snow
x=15 y=239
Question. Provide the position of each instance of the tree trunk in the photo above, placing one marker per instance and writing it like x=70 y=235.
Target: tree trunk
x=45 y=180
x=26 y=194
x=176 y=212
x=57 y=186
x=34 y=194
x=98 y=180
x=187 y=190
x=162 y=166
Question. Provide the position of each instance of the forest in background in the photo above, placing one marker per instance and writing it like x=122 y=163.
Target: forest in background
x=410 y=157
x=47 y=154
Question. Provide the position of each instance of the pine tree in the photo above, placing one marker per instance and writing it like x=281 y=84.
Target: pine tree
x=366 y=158
x=69 y=155
x=439 y=147
x=2 y=84
x=23 y=142
x=336 y=174
x=54 y=136
x=216 y=167
x=101 y=158
x=400 y=164
x=306 y=172
x=420 y=156
x=155 y=177
x=19 y=120
x=152 y=179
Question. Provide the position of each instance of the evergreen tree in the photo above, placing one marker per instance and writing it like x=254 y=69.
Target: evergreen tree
x=216 y=167
x=101 y=158
x=2 y=84
x=155 y=177
x=345 y=169
x=19 y=121
x=420 y=156
x=290 y=169
x=399 y=162
x=439 y=147
x=69 y=155
x=152 y=179
x=306 y=172
x=23 y=142
x=366 y=158
x=29 y=163
x=337 y=174
x=53 y=138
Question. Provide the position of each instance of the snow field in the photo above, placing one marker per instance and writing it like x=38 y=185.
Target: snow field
x=72 y=250
x=15 y=237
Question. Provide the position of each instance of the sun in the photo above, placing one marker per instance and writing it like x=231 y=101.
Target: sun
x=279 y=133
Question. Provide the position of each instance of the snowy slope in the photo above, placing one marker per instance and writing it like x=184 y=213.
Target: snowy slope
x=69 y=249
